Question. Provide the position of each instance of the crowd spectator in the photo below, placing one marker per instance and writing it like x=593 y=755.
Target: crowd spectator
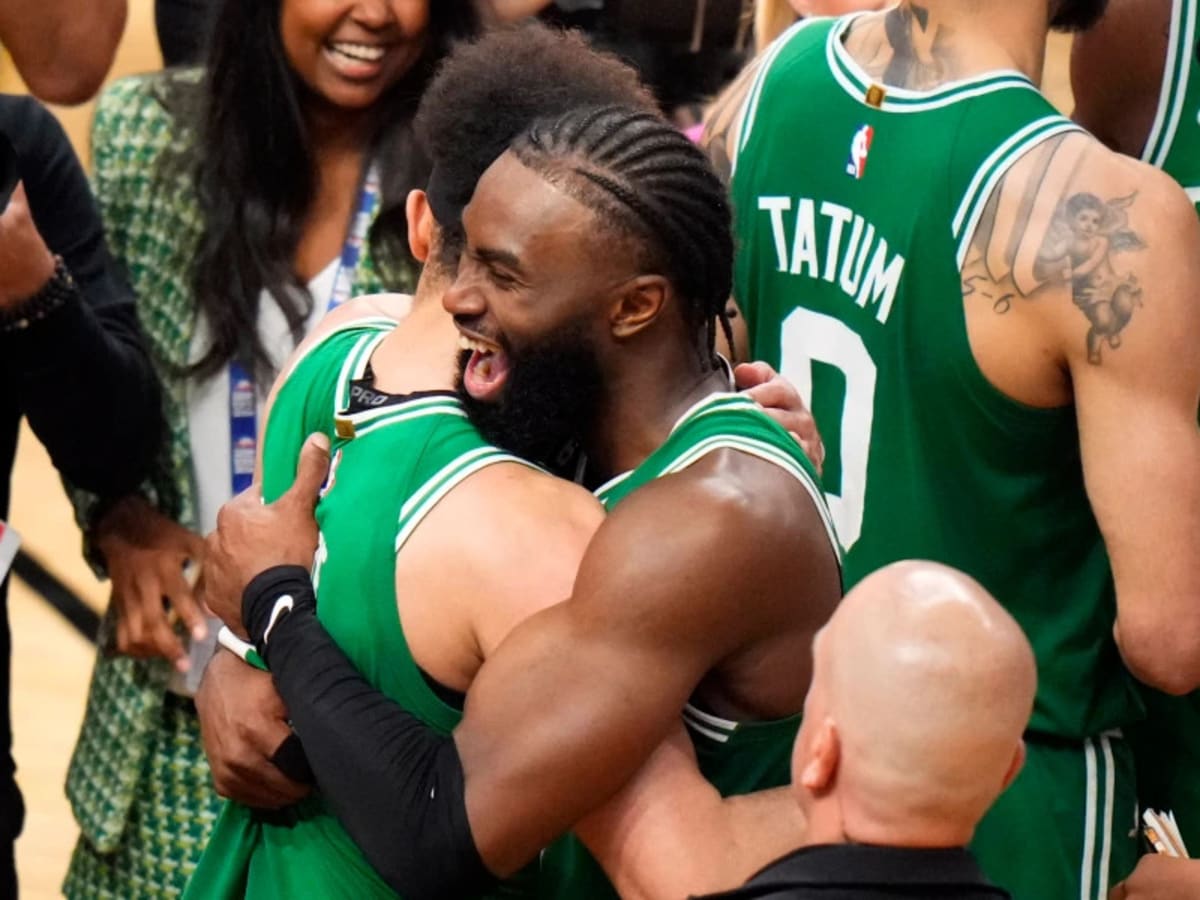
x=72 y=359
x=245 y=198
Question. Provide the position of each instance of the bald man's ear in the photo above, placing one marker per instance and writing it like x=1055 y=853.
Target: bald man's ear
x=420 y=224
x=825 y=755
x=1014 y=768
x=637 y=305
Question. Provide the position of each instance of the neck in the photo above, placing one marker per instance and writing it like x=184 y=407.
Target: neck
x=338 y=132
x=921 y=44
x=643 y=399
x=419 y=354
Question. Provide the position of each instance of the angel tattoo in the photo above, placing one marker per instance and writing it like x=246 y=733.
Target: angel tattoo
x=1084 y=236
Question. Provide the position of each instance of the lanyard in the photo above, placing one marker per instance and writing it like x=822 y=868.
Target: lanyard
x=243 y=400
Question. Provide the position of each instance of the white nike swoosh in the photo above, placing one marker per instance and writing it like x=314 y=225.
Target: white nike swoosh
x=283 y=605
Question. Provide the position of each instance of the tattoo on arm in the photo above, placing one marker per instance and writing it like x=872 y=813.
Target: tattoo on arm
x=1015 y=257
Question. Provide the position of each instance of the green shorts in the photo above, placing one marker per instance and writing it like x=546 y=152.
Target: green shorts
x=1166 y=748
x=1067 y=827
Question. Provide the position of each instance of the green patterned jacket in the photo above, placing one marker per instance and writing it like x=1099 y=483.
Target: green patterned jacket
x=153 y=226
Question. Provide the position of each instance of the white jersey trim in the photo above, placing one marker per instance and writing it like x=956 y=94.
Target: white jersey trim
x=1176 y=72
x=995 y=168
x=750 y=106
x=443 y=482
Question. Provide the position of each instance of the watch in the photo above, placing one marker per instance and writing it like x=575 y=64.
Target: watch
x=54 y=295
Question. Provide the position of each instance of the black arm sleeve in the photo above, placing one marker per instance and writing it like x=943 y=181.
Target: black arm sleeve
x=81 y=375
x=395 y=784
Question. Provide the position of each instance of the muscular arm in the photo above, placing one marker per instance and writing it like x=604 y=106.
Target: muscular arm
x=668 y=833
x=577 y=697
x=1119 y=338
x=64 y=50
x=1137 y=407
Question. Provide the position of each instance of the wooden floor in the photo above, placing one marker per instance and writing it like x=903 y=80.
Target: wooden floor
x=51 y=663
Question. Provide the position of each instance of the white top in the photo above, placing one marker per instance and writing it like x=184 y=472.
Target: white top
x=208 y=431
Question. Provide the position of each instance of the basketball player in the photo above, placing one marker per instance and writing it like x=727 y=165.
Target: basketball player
x=599 y=255
x=454 y=617
x=1136 y=79
x=992 y=316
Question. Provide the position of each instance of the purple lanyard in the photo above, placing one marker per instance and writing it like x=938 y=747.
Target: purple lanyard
x=243 y=400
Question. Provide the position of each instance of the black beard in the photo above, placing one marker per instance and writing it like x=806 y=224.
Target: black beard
x=550 y=401
x=1077 y=15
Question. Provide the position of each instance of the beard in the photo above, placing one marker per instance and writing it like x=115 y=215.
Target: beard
x=1077 y=15
x=548 y=404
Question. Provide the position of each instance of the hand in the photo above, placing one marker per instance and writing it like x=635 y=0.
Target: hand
x=26 y=264
x=243 y=722
x=145 y=553
x=1160 y=877
x=252 y=537
x=781 y=401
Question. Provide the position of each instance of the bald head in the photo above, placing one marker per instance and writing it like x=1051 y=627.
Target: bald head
x=923 y=685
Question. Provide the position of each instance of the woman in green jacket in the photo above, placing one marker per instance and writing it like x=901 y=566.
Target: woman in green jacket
x=245 y=199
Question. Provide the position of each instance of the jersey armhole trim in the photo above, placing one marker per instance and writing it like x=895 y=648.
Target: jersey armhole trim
x=745 y=121
x=994 y=168
x=770 y=454
x=445 y=480
x=367 y=322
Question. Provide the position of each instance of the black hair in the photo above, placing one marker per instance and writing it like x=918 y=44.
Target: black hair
x=643 y=178
x=255 y=173
x=488 y=92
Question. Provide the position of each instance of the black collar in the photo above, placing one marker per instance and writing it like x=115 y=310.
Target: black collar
x=865 y=865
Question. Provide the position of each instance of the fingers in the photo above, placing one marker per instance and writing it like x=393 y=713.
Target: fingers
x=750 y=375
x=183 y=601
x=143 y=629
x=265 y=788
x=311 y=471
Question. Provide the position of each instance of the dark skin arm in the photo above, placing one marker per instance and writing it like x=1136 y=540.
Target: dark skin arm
x=1117 y=70
x=578 y=696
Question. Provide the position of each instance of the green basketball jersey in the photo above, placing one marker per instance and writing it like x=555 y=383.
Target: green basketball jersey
x=856 y=206
x=390 y=466
x=736 y=757
x=1174 y=142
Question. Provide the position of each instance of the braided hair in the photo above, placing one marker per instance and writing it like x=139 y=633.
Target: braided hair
x=645 y=180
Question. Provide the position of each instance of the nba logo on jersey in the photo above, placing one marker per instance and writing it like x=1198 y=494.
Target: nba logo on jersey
x=860 y=147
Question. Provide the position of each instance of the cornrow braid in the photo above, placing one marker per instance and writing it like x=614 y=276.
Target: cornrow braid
x=645 y=179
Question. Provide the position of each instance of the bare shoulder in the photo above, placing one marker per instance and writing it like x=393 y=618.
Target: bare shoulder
x=1089 y=243
x=522 y=521
x=729 y=525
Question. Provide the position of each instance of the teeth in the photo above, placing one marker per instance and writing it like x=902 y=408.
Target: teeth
x=466 y=343
x=363 y=52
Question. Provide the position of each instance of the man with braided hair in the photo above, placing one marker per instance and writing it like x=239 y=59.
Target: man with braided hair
x=598 y=255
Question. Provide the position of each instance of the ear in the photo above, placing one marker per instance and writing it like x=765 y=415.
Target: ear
x=638 y=305
x=819 y=771
x=420 y=224
x=1014 y=767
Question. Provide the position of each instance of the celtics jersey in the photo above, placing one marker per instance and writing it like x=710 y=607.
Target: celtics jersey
x=1174 y=143
x=856 y=208
x=736 y=757
x=390 y=465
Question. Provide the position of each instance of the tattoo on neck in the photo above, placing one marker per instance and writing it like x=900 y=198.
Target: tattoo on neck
x=921 y=54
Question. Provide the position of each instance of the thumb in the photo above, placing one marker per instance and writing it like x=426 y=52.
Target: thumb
x=748 y=375
x=311 y=469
